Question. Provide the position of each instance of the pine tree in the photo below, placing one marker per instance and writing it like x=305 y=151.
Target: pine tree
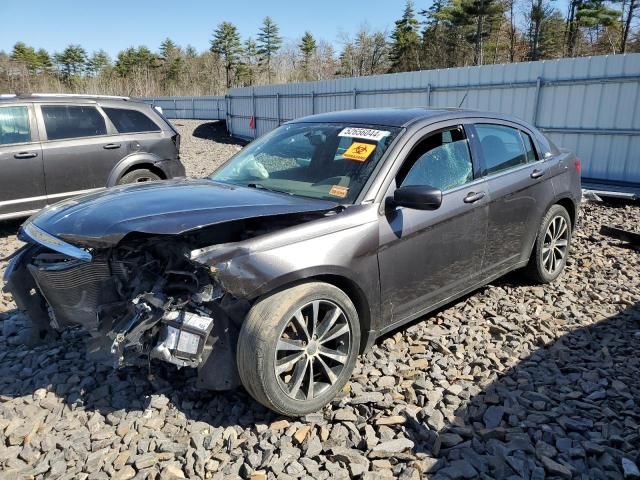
x=405 y=42
x=249 y=62
x=72 y=61
x=269 y=42
x=308 y=47
x=226 y=43
x=97 y=62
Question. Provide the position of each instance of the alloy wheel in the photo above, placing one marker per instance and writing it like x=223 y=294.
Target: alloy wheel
x=554 y=247
x=312 y=350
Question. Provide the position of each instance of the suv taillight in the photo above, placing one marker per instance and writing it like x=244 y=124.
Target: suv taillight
x=176 y=141
x=577 y=165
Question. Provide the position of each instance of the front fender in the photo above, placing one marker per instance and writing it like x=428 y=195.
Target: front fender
x=137 y=158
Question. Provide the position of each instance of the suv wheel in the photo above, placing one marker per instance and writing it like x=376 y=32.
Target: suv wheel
x=138 y=176
x=297 y=348
x=550 y=252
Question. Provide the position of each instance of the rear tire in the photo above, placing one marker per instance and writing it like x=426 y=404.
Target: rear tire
x=139 y=176
x=551 y=249
x=297 y=348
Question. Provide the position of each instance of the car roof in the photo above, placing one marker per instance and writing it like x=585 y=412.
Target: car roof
x=65 y=98
x=400 y=117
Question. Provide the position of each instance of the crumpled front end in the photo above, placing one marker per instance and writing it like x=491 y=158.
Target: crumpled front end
x=141 y=300
x=149 y=296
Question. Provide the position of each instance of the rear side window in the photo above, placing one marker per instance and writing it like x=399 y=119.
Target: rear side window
x=130 y=121
x=501 y=147
x=14 y=125
x=72 y=121
x=529 y=148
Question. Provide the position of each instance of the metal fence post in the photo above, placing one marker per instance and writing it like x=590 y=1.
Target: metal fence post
x=536 y=101
x=313 y=102
x=193 y=107
x=428 y=94
x=278 y=107
x=253 y=114
x=355 y=98
x=175 y=108
x=228 y=114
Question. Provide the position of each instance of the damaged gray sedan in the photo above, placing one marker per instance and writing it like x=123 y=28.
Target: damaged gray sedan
x=281 y=267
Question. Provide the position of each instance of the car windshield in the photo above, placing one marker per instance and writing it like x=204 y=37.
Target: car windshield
x=321 y=160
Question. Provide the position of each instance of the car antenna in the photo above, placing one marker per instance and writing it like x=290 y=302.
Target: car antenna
x=463 y=99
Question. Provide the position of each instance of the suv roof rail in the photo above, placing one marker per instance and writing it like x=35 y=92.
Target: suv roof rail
x=81 y=95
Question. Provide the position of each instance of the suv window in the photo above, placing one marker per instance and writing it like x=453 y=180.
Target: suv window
x=130 y=121
x=14 y=125
x=501 y=147
x=529 y=148
x=72 y=121
x=441 y=160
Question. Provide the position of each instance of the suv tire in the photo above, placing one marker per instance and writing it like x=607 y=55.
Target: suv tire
x=277 y=354
x=138 y=176
x=551 y=249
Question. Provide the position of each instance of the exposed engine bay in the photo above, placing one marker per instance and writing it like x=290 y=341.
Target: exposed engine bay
x=146 y=298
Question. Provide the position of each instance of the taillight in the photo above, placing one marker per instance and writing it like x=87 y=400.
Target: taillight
x=176 y=140
x=576 y=163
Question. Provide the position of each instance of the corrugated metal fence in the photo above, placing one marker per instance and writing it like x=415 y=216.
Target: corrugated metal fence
x=590 y=105
x=202 y=108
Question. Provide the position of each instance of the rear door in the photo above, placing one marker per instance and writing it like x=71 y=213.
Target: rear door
x=518 y=184
x=428 y=256
x=79 y=148
x=22 y=188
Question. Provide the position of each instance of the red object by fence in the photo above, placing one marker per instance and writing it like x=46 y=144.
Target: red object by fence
x=252 y=123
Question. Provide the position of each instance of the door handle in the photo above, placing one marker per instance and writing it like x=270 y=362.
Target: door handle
x=537 y=173
x=111 y=146
x=25 y=155
x=473 y=197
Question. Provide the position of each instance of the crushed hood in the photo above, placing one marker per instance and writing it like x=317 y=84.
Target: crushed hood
x=170 y=207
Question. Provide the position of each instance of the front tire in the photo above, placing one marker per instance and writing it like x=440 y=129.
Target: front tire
x=551 y=249
x=297 y=348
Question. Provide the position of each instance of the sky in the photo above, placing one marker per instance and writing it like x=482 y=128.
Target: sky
x=117 y=24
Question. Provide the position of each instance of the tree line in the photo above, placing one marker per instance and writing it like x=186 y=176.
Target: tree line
x=448 y=33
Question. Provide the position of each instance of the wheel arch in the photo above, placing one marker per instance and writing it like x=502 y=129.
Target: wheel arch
x=349 y=286
x=134 y=162
x=570 y=206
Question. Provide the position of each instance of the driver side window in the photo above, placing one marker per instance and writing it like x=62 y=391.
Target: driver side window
x=441 y=160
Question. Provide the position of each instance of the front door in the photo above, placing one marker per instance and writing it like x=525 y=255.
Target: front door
x=426 y=256
x=22 y=189
x=79 y=151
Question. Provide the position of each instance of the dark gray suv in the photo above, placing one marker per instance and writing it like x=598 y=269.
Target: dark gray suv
x=293 y=257
x=54 y=146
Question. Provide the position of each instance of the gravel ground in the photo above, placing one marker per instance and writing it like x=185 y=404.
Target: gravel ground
x=514 y=381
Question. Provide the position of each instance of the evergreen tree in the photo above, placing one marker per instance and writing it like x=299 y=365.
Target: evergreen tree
x=307 y=47
x=171 y=59
x=97 y=62
x=27 y=55
x=226 y=43
x=132 y=59
x=247 y=68
x=269 y=42
x=480 y=13
x=72 y=61
x=405 y=42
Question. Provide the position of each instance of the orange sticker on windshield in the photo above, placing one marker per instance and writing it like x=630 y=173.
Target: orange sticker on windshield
x=359 y=151
x=338 y=191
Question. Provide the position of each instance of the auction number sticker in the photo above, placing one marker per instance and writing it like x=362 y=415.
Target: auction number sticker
x=365 y=133
x=339 y=191
x=359 y=151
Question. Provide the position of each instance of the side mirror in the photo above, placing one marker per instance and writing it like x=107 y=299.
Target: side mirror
x=423 y=197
